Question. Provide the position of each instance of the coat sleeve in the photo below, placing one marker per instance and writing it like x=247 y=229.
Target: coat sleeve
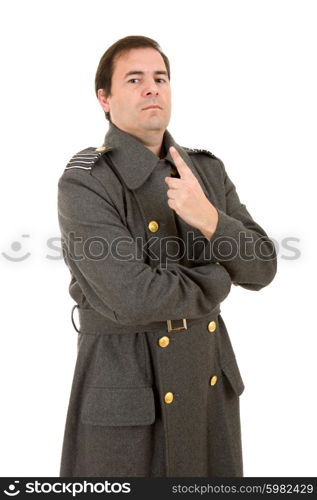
x=240 y=244
x=105 y=260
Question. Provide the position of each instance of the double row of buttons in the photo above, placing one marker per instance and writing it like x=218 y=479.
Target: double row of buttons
x=164 y=342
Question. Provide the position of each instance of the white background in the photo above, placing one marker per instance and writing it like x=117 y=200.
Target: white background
x=244 y=86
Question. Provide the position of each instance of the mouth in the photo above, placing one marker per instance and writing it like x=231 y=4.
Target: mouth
x=152 y=106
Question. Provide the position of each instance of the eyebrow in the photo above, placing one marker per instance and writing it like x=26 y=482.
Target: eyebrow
x=158 y=72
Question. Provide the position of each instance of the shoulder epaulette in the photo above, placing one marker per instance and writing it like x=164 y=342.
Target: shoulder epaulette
x=86 y=158
x=204 y=151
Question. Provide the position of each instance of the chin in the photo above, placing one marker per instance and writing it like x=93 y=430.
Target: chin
x=155 y=125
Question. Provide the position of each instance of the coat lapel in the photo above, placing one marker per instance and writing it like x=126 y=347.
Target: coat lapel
x=135 y=162
x=143 y=173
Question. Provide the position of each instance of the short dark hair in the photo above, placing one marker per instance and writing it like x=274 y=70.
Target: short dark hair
x=105 y=68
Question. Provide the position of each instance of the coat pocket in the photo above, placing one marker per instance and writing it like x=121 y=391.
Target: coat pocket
x=116 y=406
x=232 y=373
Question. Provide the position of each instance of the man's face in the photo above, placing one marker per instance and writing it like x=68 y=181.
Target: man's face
x=139 y=81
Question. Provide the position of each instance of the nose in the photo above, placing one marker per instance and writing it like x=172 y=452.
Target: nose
x=150 y=88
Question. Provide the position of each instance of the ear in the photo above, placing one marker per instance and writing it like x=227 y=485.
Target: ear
x=103 y=100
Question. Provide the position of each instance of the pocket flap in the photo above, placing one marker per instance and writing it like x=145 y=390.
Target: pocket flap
x=118 y=406
x=232 y=372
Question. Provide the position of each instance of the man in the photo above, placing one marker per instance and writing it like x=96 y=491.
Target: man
x=154 y=235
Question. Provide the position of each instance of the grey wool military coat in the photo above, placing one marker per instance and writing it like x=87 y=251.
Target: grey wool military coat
x=156 y=387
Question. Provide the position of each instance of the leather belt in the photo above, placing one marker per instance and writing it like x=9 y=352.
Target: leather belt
x=94 y=323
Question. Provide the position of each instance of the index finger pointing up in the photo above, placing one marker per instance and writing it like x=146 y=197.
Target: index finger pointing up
x=182 y=167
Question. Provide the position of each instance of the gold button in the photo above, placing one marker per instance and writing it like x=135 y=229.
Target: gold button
x=217 y=263
x=153 y=226
x=164 y=341
x=168 y=398
x=213 y=380
x=101 y=148
x=212 y=326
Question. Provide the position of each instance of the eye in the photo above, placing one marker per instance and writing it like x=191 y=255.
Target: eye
x=160 y=80
x=133 y=80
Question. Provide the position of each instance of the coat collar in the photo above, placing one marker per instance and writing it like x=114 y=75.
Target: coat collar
x=133 y=160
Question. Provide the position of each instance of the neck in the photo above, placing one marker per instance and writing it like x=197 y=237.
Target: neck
x=151 y=140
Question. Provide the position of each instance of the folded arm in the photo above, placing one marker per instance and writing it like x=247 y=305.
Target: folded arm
x=103 y=257
x=240 y=244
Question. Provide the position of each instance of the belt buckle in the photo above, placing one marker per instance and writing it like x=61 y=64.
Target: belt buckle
x=177 y=329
